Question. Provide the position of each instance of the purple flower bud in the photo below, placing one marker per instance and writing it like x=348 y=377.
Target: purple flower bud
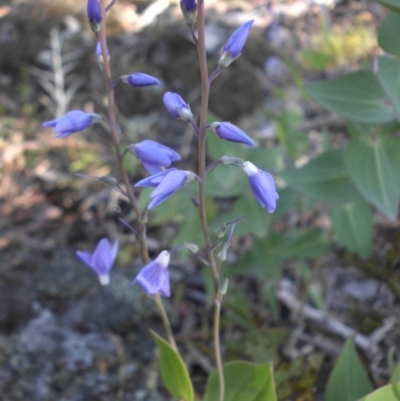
x=101 y=260
x=73 y=121
x=188 y=8
x=138 y=79
x=166 y=183
x=153 y=155
x=154 y=277
x=235 y=44
x=262 y=185
x=94 y=14
x=231 y=133
x=177 y=106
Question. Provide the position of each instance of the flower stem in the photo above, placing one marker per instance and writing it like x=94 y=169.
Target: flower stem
x=144 y=253
x=217 y=347
x=205 y=93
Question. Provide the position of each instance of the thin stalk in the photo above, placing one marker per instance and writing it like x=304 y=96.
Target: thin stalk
x=144 y=253
x=205 y=93
x=217 y=347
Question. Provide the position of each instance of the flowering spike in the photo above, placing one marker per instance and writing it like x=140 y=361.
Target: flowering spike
x=153 y=155
x=231 y=133
x=101 y=260
x=234 y=45
x=262 y=185
x=72 y=122
x=188 y=8
x=140 y=80
x=94 y=15
x=177 y=106
x=154 y=277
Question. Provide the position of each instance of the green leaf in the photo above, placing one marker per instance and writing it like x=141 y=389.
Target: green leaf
x=226 y=181
x=389 y=77
x=308 y=243
x=352 y=223
x=323 y=178
x=360 y=130
x=393 y=5
x=264 y=258
x=358 y=96
x=375 y=170
x=265 y=159
x=173 y=371
x=388 y=34
x=256 y=219
x=315 y=59
x=396 y=375
x=217 y=147
x=243 y=382
x=348 y=380
x=390 y=392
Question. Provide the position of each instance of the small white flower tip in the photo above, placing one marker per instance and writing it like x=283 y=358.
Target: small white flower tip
x=163 y=259
x=249 y=168
x=104 y=279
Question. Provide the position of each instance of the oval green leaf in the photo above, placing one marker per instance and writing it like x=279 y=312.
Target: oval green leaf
x=352 y=223
x=393 y=5
x=390 y=392
x=375 y=170
x=348 y=380
x=388 y=34
x=389 y=77
x=173 y=371
x=358 y=96
x=244 y=381
x=324 y=178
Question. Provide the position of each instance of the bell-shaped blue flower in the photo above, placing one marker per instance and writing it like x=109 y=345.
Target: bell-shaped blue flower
x=177 y=107
x=262 y=185
x=231 y=133
x=189 y=5
x=188 y=8
x=101 y=260
x=154 y=156
x=234 y=45
x=140 y=80
x=94 y=14
x=167 y=183
x=72 y=122
x=154 y=179
x=154 y=277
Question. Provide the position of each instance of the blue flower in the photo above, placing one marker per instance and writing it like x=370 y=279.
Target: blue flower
x=94 y=14
x=262 y=185
x=153 y=155
x=138 y=79
x=231 y=133
x=166 y=183
x=189 y=5
x=154 y=179
x=177 y=106
x=101 y=260
x=154 y=277
x=235 y=44
x=72 y=122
